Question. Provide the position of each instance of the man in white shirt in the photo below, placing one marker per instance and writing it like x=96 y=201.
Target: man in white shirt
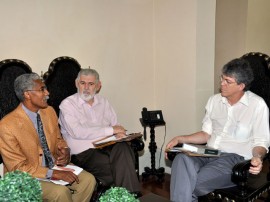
x=237 y=123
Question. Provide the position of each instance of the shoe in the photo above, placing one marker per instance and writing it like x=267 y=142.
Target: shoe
x=137 y=194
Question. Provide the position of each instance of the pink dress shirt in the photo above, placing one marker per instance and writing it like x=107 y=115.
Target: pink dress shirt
x=81 y=123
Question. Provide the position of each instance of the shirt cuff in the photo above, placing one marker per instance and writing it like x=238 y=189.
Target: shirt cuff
x=49 y=174
x=108 y=131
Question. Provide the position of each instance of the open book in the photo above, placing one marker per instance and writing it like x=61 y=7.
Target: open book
x=75 y=169
x=109 y=140
x=196 y=150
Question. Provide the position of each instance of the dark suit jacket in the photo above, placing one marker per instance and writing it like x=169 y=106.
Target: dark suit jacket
x=19 y=143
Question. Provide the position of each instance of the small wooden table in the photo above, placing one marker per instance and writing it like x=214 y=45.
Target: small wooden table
x=153 y=197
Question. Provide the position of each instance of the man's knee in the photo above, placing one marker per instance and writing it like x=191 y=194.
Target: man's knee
x=122 y=150
x=87 y=178
x=122 y=146
x=62 y=193
x=181 y=158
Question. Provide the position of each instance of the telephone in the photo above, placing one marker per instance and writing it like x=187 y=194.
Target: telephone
x=152 y=118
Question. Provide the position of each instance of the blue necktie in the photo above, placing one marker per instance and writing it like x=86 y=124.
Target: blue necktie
x=47 y=154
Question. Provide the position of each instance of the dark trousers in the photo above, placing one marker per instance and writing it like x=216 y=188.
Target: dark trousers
x=197 y=176
x=113 y=165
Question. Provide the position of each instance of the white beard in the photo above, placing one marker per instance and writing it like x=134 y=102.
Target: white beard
x=86 y=97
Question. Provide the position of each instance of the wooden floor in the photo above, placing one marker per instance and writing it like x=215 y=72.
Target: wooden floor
x=151 y=185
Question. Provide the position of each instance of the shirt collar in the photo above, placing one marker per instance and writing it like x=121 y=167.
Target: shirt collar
x=30 y=114
x=243 y=100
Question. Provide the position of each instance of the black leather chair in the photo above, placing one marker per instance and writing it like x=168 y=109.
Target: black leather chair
x=249 y=187
x=60 y=81
x=10 y=69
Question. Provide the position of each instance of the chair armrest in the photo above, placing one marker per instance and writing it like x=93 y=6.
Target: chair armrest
x=171 y=155
x=240 y=173
x=137 y=144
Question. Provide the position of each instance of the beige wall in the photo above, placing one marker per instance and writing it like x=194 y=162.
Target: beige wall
x=150 y=53
x=184 y=55
x=258 y=29
x=231 y=23
x=242 y=26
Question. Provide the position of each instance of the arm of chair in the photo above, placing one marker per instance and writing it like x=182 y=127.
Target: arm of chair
x=240 y=173
x=137 y=144
x=171 y=155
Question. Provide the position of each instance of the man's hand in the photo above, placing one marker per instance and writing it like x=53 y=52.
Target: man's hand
x=120 y=135
x=67 y=176
x=257 y=160
x=171 y=144
x=200 y=137
x=256 y=165
x=119 y=129
x=63 y=154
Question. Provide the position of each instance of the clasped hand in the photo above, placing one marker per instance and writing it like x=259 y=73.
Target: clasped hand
x=67 y=176
x=63 y=159
x=63 y=154
x=256 y=165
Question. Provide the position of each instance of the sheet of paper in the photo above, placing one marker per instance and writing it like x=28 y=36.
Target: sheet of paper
x=112 y=138
x=75 y=169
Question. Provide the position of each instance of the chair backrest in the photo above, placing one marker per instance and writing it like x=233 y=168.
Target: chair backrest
x=260 y=64
x=10 y=69
x=60 y=79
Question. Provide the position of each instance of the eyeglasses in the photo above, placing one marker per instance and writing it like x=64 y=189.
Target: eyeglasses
x=43 y=89
x=226 y=81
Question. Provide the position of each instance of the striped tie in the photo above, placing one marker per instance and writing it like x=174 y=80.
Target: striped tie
x=47 y=154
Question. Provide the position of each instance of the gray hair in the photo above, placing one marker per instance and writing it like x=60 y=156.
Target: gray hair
x=25 y=82
x=87 y=72
x=239 y=69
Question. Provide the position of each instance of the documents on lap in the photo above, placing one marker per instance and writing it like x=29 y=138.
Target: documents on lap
x=196 y=150
x=75 y=169
x=109 y=140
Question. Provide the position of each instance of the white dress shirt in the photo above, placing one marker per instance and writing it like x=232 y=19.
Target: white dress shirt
x=237 y=128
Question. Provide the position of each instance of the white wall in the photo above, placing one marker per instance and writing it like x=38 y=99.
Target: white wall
x=231 y=22
x=241 y=26
x=258 y=29
x=150 y=53
x=184 y=64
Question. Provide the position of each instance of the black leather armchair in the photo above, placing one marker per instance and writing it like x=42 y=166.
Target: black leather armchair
x=60 y=81
x=10 y=69
x=248 y=187
x=251 y=187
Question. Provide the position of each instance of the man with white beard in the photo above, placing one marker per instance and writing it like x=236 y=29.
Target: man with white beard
x=85 y=117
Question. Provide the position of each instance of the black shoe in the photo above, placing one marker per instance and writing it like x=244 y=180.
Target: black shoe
x=137 y=194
